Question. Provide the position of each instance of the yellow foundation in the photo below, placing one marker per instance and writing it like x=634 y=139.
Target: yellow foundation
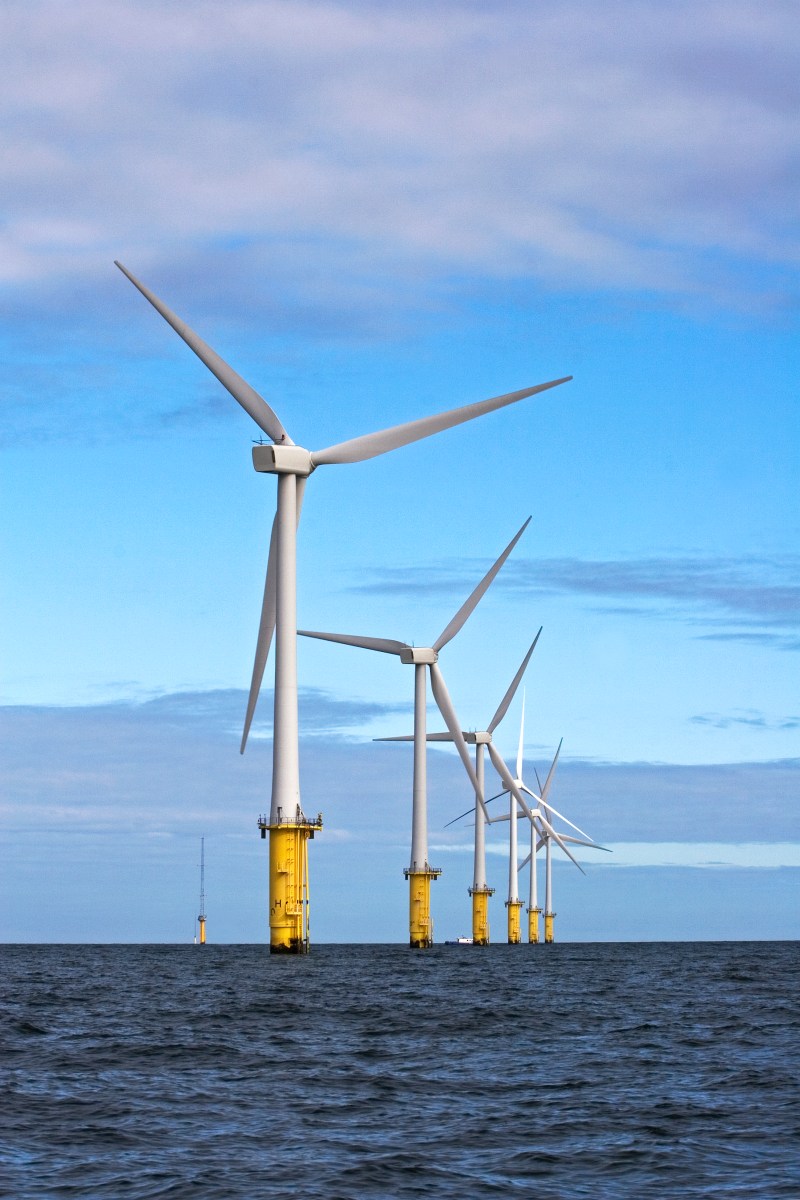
x=548 y=926
x=533 y=924
x=514 y=909
x=288 y=885
x=202 y=921
x=480 y=915
x=420 y=925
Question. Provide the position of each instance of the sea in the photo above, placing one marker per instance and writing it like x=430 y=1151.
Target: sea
x=570 y=1070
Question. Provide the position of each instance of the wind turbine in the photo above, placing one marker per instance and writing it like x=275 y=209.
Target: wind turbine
x=419 y=872
x=288 y=827
x=545 y=837
x=539 y=816
x=480 y=890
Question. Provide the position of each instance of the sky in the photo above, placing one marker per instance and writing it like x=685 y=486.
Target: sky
x=373 y=212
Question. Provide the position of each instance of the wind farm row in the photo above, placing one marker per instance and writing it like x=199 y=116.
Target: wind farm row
x=288 y=827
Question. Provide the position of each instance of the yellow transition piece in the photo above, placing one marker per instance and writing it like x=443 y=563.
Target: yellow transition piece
x=288 y=886
x=514 y=909
x=420 y=926
x=533 y=924
x=548 y=926
x=480 y=915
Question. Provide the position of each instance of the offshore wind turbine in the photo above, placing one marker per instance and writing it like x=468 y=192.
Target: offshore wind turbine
x=539 y=816
x=419 y=872
x=480 y=739
x=545 y=838
x=288 y=827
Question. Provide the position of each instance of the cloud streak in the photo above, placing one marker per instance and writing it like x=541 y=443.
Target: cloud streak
x=749 y=599
x=403 y=142
x=165 y=763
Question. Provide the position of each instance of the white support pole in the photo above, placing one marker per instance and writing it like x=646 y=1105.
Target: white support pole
x=419 y=809
x=479 y=873
x=532 y=892
x=548 y=877
x=285 y=753
x=513 y=886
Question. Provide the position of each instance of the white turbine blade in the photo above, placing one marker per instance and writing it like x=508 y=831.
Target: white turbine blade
x=445 y=706
x=266 y=626
x=510 y=784
x=566 y=821
x=509 y=696
x=409 y=737
x=521 y=738
x=471 y=604
x=384 y=645
x=253 y=404
x=524 y=862
x=551 y=773
x=266 y=629
x=549 y=829
x=371 y=444
x=556 y=813
x=573 y=841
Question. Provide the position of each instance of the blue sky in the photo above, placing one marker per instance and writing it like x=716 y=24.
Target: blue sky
x=373 y=212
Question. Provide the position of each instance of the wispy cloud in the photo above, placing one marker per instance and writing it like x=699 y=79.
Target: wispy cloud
x=698 y=855
x=371 y=141
x=750 y=598
x=169 y=762
x=750 y=719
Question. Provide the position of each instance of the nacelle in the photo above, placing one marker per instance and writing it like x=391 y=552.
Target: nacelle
x=418 y=656
x=282 y=460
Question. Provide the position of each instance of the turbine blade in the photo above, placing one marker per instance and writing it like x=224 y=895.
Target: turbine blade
x=370 y=445
x=573 y=841
x=460 y=817
x=266 y=626
x=551 y=773
x=505 y=775
x=409 y=737
x=385 y=645
x=445 y=706
x=497 y=797
x=253 y=404
x=521 y=738
x=566 y=820
x=471 y=604
x=509 y=696
x=491 y=820
x=552 y=833
x=524 y=862
x=266 y=629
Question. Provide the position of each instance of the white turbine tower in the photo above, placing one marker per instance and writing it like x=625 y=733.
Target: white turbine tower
x=288 y=827
x=480 y=739
x=419 y=871
x=513 y=903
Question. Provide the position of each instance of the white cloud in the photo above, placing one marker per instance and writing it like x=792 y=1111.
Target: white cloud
x=630 y=146
x=707 y=855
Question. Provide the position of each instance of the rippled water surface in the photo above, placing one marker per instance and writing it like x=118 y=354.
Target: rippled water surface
x=625 y=1070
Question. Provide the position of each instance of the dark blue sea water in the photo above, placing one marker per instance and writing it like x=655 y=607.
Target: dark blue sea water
x=628 y=1070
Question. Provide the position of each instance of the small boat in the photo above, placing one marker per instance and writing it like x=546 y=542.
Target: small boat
x=460 y=941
